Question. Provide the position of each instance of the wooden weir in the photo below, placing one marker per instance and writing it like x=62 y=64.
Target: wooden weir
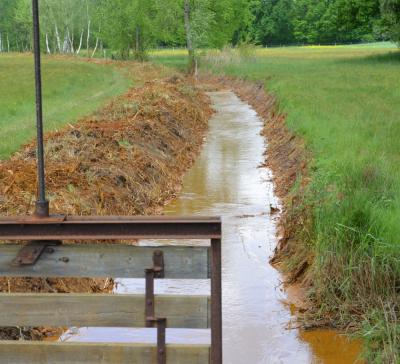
x=48 y=254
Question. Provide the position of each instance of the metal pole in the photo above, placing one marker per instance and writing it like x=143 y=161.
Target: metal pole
x=216 y=302
x=161 y=338
x=42 y=205
x=150 y=309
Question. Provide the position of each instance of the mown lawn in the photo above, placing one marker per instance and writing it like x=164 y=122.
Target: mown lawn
x=345 y=102
x=71 y=89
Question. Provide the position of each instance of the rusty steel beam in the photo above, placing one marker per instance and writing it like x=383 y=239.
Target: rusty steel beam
x=108 y=228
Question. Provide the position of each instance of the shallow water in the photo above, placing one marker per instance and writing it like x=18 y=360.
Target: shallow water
x=226 y=180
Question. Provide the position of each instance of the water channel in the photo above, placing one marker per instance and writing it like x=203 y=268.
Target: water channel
x=227 y=181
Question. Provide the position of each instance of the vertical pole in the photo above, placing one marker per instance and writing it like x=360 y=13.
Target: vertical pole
x=161 y=341
x=42 y=205
x=149 y=297
x=216 y=302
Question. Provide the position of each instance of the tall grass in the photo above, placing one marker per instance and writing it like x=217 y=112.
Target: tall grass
x=71 y=88
x=344 y=102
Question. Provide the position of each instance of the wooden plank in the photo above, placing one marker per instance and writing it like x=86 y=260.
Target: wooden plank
x=100 y=310
x=17 y=352
x=109 y=227
x=107 y=260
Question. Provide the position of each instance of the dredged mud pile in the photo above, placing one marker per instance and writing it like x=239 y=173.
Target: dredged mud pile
x=127 y=159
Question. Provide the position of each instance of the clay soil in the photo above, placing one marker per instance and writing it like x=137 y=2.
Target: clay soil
x=128 y=158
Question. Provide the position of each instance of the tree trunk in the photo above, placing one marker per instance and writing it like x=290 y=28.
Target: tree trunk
x=58 y=40
x=47 y=44
x=88 y=29
x=88 y=38
x=97 y=43
x=71 y=41
x=80 y=42
x=8 y=44
x=88 y=35
x=66 y=44
x=139 y=53
x=95 y=48
x=137 y=46
x=189 y=40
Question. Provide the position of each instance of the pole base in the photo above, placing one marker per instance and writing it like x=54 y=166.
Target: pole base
x=42 y=209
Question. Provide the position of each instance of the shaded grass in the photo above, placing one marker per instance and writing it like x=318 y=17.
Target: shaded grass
x=71 y=89
x=344 y=102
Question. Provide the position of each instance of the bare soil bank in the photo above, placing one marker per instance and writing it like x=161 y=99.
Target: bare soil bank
x=129 y=158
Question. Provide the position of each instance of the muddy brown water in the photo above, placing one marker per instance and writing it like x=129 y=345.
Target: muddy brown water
x=226 y=180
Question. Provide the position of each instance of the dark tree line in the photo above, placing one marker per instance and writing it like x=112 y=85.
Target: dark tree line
x=324 y=21
x=131 y=26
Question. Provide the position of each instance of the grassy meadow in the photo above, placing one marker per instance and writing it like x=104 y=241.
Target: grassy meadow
x=344 y=102
x=71 y=89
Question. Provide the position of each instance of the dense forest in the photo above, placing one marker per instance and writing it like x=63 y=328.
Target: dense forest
x=69 y=26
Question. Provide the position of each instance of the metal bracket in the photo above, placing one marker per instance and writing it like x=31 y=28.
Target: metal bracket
x=31 y=252
x=161 y=323
x=158 y=264
x=156 y=272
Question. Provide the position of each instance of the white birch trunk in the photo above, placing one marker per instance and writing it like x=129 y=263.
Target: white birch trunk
x=66 y=44
x=88 y=37
x=8 y=44
x=95 y=48
x=58 y=40
x=80 y=42
x=47 y=44
x=70 y=42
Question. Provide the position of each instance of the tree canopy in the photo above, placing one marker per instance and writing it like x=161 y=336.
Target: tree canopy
x=123 y=26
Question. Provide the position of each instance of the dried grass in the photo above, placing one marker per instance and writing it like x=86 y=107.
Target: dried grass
x=127 y=159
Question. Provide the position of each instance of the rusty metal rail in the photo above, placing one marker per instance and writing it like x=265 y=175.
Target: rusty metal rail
x=45 y=237
x=112 y=227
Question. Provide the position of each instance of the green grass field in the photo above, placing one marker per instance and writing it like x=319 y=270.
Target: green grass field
x=345 y=102
x=71 y=89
